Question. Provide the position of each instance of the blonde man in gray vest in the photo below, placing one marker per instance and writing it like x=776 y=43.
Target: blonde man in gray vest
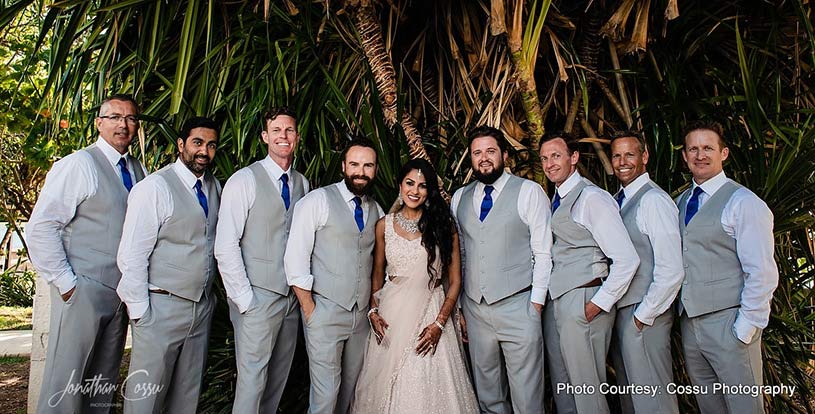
x=641 y=354
x=504 y=224
x=730 y=276
x=167 y=263
x=328 y=262
x=72 y=238
x=253 y=226
x=588 y=233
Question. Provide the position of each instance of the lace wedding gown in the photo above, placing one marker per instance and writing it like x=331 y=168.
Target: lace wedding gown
x=394 y=378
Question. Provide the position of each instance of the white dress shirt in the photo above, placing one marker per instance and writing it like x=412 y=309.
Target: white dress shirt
x=534 y=211
x=149 y=206
x=658 y=219
x=599 y=213
x=747 y=219
x=71 y=181
x=236 y=200
x=311 y=214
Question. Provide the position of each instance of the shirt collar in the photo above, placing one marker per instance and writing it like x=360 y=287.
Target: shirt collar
x=110 y=153
x=498 y=185
x=273 y=169
x=635 y=185
x=569 y=184
x=712 y=185
x=185 y=175
x=346 y=194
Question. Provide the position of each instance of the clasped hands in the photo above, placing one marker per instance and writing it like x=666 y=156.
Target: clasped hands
x=427 y=339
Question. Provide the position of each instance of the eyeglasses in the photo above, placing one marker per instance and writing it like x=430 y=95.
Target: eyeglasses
x=130 y=119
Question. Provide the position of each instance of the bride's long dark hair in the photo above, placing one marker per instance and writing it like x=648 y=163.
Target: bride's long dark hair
x=436 y=224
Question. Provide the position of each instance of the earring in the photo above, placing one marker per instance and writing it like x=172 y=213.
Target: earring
x=399 y=200
x=427 y=203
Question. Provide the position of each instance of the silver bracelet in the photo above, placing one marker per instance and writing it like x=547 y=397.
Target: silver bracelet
x=437 y=323
x=375 y=309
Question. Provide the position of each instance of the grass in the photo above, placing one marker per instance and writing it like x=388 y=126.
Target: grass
x=15 y=318
x=8 y=360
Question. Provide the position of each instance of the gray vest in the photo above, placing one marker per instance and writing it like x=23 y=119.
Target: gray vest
x=498 y=259
x=342 y=258
x=713 y=273
x=267 y=230
x=642 y=244
x=91 y=239
x=182 y=261
x=576 y=257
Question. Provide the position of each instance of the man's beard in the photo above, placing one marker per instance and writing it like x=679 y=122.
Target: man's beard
x=194 y=166
x=489 y=178
x=358 y=189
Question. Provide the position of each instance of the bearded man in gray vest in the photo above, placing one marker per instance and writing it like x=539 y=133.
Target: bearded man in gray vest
x=730 y=275
x=328 y=262
x=641 y=353
x=167 y=263
x=588 y=233
x=504 y=222
x=72 y=238
x=253 y=227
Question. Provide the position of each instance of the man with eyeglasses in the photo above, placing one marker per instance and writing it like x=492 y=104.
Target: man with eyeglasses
x=73 y=236
x=253 y=226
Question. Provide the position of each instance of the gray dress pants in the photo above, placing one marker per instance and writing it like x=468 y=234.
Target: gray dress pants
x=335 y=341
x=576 y=350
x=644 y=358
x=86 y=340
x=169 y=355
x=506 y=348
x=265 y=338
x=713 y=354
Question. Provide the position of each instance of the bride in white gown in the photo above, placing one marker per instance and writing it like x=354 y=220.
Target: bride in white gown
x=414 y=362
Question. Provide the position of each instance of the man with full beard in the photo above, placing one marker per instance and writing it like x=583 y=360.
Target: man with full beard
x=167 y=263
x=328 y=263
x=504 y=222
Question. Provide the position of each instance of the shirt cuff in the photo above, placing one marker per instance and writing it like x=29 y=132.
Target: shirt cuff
x=137 y=309
x=243 y=300
x=743 y=329
x=646 y=320
x=303 y=282
x=538 y=296
x=604 y=300
x=65 y=282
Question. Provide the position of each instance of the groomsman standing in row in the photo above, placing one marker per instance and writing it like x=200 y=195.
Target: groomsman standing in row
x=642 y=352
x=328 y=262
x=253 y=227
x=504 y=223
x=730 y=275
x=167 y=262
x=588 y=233
x=73 y=236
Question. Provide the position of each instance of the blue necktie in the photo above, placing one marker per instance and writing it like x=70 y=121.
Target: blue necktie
x=693 y=204
x=126 y=179
x=202 y=199
x=284 y=191
x=620 y=197
x=486 y=203
x=556 y=202
x=358 y=213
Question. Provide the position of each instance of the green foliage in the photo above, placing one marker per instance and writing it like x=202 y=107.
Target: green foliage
x=17 y=286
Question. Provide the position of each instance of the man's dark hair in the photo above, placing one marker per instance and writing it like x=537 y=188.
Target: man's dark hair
x=571 y=142
x=705 y=124
x=119 y=97
x=631 y=134
x=198 y=122
x=275 y=112
x=359 y=142
x=487 y=131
